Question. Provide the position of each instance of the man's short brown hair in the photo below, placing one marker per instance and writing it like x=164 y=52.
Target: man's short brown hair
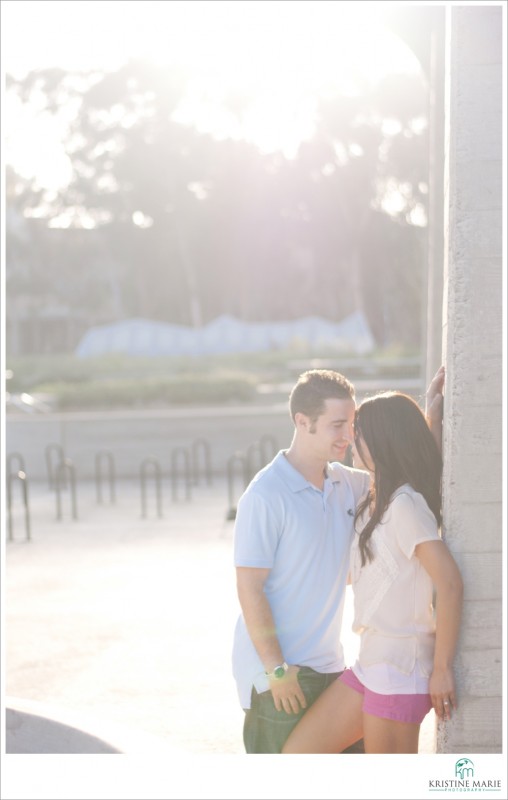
x=314 y=387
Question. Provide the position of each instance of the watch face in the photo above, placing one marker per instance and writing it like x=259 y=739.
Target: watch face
x=279 y=672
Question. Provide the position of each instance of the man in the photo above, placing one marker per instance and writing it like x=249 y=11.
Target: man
x=293 y=531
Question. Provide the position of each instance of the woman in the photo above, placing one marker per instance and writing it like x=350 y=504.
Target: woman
x=405 y=661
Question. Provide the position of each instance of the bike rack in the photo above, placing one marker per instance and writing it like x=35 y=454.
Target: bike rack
x=257 y=456
x=49 y=449
x=232 y=472
x=99 y=458
x=157 y=474
x=65 y=470
x=180 y=454
x=255 y=461
x=15 y=457
x=19 y=475
x=269 y=447
x=201 y=446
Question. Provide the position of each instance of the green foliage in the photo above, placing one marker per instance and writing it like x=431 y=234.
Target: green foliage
x=30 y=372
x=152 y=393
x=126 y=382
x=115 y=382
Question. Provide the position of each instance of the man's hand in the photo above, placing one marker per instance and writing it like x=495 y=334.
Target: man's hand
x=287 y=693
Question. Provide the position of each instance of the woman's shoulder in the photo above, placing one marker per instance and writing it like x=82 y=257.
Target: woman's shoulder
x=407 y=497
x=406 y=501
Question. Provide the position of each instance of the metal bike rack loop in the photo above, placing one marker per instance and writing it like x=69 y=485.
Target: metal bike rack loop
x=65 y=474
x=180 y=454
x=20 y=476
x=235 y=462
x=107 y=457
x=51 y=448
x=201 y=446
x=145 y=466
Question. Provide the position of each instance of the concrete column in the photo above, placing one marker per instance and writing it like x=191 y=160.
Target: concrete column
x=472 y=352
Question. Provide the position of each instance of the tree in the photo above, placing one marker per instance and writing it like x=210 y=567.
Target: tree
x=179 y=226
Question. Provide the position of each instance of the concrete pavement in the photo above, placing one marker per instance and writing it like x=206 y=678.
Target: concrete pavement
x=128 y=621
x=124 y=618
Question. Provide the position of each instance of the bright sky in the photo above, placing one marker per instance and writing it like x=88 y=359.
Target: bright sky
x=279 y=51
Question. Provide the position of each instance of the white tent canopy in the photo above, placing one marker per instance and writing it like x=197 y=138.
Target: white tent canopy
x=226 y=334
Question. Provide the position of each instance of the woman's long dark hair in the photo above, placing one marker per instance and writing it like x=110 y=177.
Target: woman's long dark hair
x=403 y=450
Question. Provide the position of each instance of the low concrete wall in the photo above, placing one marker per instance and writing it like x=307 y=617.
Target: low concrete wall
x=132 y=436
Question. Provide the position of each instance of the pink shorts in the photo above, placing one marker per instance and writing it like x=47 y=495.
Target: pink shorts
x=399 y=707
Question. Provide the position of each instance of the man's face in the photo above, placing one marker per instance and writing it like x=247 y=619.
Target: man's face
x=332 y=432
x=362 y=463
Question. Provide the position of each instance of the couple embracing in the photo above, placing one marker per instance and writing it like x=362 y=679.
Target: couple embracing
x=306 y=526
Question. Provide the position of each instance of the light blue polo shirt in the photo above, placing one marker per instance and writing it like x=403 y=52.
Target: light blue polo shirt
x=303 y=536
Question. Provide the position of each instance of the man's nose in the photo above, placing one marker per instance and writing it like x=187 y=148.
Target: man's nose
x=349 y=435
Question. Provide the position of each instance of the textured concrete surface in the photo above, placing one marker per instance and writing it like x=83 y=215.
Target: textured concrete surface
x=473 y=487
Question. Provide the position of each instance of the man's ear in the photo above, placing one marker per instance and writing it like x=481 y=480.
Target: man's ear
x=302 y=421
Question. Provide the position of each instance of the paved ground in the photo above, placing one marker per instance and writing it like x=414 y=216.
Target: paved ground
x=130 y=620
x=127 y=618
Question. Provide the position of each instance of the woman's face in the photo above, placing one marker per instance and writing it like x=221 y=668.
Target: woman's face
x=366 y=461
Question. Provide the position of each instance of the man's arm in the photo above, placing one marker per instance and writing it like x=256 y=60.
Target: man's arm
x=287 y=693
x=434 y=406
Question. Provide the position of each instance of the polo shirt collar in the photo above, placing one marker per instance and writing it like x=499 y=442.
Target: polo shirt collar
x=294 y=479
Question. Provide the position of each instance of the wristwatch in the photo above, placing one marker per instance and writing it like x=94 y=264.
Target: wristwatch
x=278 y=672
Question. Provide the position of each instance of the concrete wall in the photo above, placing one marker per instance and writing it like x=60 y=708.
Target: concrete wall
x=472 y=345
x=133 y=436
